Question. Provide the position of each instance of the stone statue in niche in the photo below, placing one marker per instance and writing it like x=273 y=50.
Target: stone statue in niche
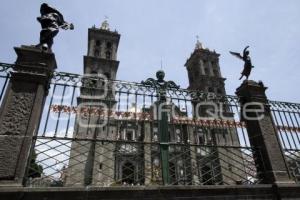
x=247 y=60
x=51 y=20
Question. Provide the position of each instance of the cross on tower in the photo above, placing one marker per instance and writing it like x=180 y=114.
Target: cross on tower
x=198 y=43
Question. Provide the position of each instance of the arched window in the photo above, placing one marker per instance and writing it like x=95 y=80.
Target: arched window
x=197 y=72
x=210 y=89
x=107 y=75
x=93 y=80
x=129 y=135
x=219 y=91
x=191 y=77
x=216 y=73
x=206 y=71
x=108 y=55
x=96 y=53
x=200 y=138
x=98 y=43
x=108 y=45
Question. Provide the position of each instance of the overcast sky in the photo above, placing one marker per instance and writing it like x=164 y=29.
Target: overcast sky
x=166 y=30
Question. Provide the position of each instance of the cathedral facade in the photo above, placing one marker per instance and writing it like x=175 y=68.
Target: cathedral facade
x=126 y=152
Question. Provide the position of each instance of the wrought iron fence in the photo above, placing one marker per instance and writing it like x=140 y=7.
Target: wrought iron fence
x=116 y=163
x=87 y=138
x=89 y=135
x=5 y=70
x=286 y=117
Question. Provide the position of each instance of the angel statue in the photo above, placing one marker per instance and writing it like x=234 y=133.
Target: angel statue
x=51 y=20
x=246 y=58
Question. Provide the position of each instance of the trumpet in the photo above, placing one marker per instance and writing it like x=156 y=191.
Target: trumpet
x=67 y=26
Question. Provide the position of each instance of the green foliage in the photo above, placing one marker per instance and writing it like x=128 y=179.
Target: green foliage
x=35 y=170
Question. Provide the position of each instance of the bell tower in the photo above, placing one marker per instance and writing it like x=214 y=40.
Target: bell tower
x=204 y=75
x=101 y=56
x=204 y=71
x=99 y=63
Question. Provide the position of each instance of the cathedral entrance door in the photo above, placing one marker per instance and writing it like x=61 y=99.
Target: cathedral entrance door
x=128 y=173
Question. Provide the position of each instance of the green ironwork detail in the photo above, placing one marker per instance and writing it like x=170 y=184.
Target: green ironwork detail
x=162 y=86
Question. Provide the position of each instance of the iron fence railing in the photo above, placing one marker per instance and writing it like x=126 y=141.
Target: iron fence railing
x=70 y=162
x=5 y=70
x=87 y=138
x=95 y=131
x=286 y=117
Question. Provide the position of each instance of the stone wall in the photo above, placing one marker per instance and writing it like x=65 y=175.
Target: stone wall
x=268 y=192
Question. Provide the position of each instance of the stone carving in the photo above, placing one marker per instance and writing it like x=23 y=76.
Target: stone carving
x=18 y=111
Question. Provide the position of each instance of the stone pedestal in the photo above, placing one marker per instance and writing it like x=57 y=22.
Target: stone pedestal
x=262 y=133
x=21 y=111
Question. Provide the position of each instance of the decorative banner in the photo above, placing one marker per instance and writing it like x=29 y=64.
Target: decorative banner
x=288 y=128
x=147 y=116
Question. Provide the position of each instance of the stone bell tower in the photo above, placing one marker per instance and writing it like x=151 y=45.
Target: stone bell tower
x=101 y=56
x=204 y=71
x=91 y=167
x=204 y=75
x=100 y=63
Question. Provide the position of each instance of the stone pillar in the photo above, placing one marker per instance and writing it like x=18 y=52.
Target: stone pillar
x=21 y=111
x=270 y=161
x=148 y=154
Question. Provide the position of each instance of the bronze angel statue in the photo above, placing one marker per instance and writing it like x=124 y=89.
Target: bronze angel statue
x=246 y=58
x=51 y=20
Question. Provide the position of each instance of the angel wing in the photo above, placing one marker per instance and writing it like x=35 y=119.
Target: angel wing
x=238 y=55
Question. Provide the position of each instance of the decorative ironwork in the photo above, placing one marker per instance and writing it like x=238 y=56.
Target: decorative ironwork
x=286 y=117
x=129 y=138
x=5 y=70
x=61 y=159
x=118 y=147
x=160 y=82
x=161 y=86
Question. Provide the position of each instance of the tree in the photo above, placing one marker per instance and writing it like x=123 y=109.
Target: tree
x=35 y=170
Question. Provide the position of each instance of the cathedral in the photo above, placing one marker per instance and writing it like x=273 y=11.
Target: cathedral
x=93 y=136
x=127 y=152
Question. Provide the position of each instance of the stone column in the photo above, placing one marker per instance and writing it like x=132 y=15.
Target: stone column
x=270 y=161
x=21 y=111
x=147 y=154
